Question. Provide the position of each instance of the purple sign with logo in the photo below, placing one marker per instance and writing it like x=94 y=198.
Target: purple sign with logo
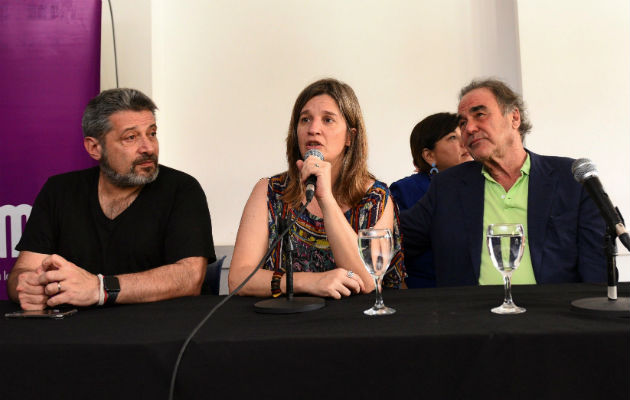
x=49 y=69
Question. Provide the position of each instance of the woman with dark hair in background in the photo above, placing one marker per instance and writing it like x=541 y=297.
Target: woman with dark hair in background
x=326 y=117
x=435 y=146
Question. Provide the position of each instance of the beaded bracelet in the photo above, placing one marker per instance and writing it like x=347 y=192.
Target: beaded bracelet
x=275 y=283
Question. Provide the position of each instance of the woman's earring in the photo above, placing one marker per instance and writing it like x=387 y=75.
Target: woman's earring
x=433 y=170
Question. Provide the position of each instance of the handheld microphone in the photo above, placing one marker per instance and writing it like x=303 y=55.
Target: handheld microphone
x=585 y=172
x=311 y=180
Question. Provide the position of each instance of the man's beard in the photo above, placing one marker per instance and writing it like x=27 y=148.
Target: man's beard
x=131 y=178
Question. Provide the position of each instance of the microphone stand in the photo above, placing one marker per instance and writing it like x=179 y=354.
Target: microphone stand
x=289 y=304
x=298 y=304
x=611 y=305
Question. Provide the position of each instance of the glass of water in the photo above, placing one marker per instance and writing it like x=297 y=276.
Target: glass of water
x=506 y=243
x=375 y=249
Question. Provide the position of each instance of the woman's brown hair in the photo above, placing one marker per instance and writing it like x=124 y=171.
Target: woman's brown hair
x=353 y=178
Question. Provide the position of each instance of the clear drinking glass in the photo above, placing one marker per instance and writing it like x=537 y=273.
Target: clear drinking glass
x=375 y=249
x=506 y=243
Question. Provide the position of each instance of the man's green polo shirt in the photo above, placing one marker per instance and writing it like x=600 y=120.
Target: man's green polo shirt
x=506 y=207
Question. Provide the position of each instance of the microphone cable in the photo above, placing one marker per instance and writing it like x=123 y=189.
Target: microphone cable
x=111 y=16
x=215 y=308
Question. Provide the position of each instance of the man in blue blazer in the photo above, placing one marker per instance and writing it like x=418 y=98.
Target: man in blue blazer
x=506 y=183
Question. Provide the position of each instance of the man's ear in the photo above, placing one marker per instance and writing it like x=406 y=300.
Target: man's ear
x=516 y=118
x=93 y=147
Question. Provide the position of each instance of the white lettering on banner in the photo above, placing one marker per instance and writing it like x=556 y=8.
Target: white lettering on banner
x=15 y=214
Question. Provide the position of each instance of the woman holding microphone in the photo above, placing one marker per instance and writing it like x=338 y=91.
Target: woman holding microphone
x=326 y=117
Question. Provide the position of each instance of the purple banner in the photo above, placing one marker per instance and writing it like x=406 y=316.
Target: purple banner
x=49 y=69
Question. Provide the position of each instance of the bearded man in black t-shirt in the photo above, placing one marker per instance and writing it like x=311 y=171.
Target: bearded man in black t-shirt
x=127 y=231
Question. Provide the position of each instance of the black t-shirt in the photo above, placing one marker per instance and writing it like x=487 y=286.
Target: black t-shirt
x=168 y=221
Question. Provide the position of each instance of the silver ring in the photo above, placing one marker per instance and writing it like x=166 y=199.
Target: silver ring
x=58 y=287
x=316 y=165
x=349 y=274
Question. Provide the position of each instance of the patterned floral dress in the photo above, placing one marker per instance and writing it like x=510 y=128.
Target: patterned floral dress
x=312 y=250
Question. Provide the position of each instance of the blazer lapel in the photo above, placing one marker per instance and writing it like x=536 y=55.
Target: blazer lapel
x=540 y=196
x=471 y=197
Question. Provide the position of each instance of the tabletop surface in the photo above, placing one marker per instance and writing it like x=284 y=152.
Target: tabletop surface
x=443 y=341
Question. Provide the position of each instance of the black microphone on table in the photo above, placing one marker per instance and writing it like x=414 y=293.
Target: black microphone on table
x=311 y=180
x=281 y=305
x=585 y=172
x=291 y=304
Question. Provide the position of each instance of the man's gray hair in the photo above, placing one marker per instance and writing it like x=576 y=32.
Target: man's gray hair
x=96 y=121
x=507 y=99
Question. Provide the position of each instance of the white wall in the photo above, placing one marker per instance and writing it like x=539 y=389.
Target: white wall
x=575 y=61
x=226 y=73
x=133 y=26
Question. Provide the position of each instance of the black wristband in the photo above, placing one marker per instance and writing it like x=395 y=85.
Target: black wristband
x=112 y=288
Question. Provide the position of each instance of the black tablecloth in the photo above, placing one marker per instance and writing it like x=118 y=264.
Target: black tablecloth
x=441 y=343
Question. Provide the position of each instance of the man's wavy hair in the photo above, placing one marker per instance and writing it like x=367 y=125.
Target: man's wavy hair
x=507 y=99
x=353 y=178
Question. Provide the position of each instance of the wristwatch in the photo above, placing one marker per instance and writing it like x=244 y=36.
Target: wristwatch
x=112 y=288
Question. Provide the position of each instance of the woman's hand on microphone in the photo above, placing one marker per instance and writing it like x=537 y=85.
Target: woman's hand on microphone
x=322 y=170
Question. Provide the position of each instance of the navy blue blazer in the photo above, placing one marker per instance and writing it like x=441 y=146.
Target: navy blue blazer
x=565 y=229
x=406 y=192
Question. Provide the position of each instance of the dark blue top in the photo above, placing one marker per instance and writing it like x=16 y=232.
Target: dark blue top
x=406 y=192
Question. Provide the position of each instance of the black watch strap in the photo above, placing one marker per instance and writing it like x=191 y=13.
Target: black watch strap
x=112 y=288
